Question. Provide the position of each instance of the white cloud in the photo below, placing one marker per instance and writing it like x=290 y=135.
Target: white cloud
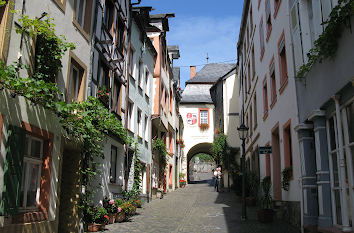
x=197 y=36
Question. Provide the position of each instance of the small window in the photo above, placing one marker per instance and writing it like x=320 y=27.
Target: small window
x=147 y=82
x=30 y=185
x=132 y=61
x=75 y=86
x=204 y=117
x=288 y=157
x=104 y=77
x=146 y=131
x=265 y=97
x=130 y=116
x=120 y=35
x=109 y=15
x=116 y=96
x=140 y=75
x=273 y=86
x=113 y=169
x=140 y=128
x=83 y=14
x=283 y=64
x=268 y=18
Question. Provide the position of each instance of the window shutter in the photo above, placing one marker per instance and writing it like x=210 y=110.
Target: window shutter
x=13 y=170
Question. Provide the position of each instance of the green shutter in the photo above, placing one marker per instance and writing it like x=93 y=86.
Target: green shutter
x=16 y=139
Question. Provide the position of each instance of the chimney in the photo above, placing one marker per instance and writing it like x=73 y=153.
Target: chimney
x=193 y=71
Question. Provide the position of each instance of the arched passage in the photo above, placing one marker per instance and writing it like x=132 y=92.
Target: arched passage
x=196 y=149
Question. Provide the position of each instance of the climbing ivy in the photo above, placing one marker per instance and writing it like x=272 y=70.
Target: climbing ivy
x=137 y=170
x=219 y=149
x=159 y=147
x=87 y=122
x=327 y=43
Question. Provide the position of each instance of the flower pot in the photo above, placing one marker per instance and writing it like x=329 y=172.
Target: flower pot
x=112 y=218
x=120 y=217
x=265 y=215
x=93 y=227
x=102 y=227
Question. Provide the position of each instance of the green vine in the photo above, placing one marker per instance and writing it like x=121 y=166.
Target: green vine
x=286 y=173
x=219 y=149
x=87 y=122
x=327 y=43
x=137 y=170
x=159 y=147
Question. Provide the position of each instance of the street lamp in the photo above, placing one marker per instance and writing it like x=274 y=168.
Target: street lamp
x=243 y=132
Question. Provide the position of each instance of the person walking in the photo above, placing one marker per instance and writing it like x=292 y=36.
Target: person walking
x=216 y=185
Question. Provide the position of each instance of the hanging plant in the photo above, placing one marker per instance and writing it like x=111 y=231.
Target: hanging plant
x=327 y=43
x=286 y=176
x=159 y=147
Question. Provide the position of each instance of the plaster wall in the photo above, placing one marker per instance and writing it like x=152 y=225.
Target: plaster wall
x=192 y=134
x=284 y=109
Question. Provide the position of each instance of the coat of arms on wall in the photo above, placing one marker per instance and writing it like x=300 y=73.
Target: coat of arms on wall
x=191 y=118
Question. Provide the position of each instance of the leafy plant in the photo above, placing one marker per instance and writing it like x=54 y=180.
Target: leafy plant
x=266 y=200
x=286 y=176
x=159 y=147
x=327 y=43
x=100 y=215
x=204 y=126
x=219 y=149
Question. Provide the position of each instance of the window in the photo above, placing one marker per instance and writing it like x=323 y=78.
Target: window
x=147 y=82
x=140 y=128
x=282 y=61
x=75 y=85
x=109 y=15
x=131 y=61
x=130 y=116
x=146 y=132
x=203 y=117
x=268 y=18
x=113 y=169
x=140 y=74
x=120 y=35
x=103 y=78
x=261 y=36
x=116 y=96
x=170 y=142
x=265 y=97
x=288 y=158
x=31 y=173
x=273 y=90
x=171 y=101
x=255 y=109
x=83 y=14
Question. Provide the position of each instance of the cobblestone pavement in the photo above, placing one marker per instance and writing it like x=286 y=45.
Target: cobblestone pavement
x=197 y=208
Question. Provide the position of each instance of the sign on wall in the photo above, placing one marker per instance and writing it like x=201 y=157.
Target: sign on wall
x=191 y=118
x=265 y=150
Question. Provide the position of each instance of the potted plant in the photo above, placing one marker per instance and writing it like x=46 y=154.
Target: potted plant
x=103 y=95
x=204 y=126
x=265 y=215
x=253 y=184
x=112 y=210
x=286 y=173
x=100 y=219
x=120 y=215
x=182 y=183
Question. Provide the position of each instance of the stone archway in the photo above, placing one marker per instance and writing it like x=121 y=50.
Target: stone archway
x=194 y=150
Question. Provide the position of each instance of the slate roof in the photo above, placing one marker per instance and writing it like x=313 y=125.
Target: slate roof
x=210 y=73
x=198 y=93
x=198 y=89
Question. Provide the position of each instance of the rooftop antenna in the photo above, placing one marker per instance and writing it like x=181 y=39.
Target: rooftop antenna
x=207 y=57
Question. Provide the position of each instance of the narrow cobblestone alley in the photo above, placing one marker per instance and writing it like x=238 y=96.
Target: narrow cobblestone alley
x=197 y=208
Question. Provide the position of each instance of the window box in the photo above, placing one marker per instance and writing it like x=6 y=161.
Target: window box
x=204 y=126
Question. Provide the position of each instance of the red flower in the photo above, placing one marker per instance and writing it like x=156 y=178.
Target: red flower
x=99 y=91
x=106 y=216
x=107 y=93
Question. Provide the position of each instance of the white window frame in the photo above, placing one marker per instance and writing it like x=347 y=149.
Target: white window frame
x=147 y=82
x=146 y=132
x=132 y=62
x=141 y=74
x=77 y=85
x=130 y=115
x=139 y=123
x=28 y=159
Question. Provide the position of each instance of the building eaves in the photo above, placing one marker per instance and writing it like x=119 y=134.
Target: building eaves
x=246 y=5
x=210 y=73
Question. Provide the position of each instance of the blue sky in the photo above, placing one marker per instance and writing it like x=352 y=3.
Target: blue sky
x=201 y=27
